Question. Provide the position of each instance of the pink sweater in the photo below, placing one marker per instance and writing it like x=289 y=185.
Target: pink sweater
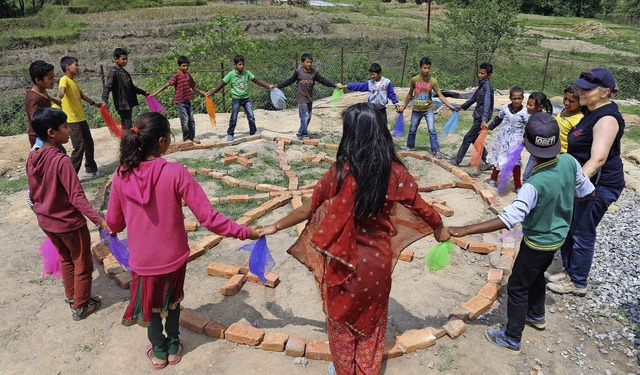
x=147 y=200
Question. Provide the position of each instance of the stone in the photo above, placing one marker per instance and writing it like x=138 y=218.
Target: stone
x=455 y=327
x=459 y=312
x=242 y=334
x=215 y=329
x=412 y=340
x=274 y=341
x=193 y=320
x=272 y=279
x=508 y=251
x=100 y=251
x=406 y=256
x=295 y=347
x=438 y=332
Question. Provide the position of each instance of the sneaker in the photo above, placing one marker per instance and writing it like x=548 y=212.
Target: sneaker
x=500 y=338
x=454 y=161
x=229 y=138
x=492 y=183
x=409 y=149
x=566 y=286
x=92 y=174
x=487 y=167
x=302 y=137
x=517 y=190
x=256 y=132
x=556 y=278
x=196 y=141
x=438 y=154
x=86 y=310
x=538 y=323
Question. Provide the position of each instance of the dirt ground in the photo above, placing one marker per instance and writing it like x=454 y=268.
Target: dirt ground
x=39 y=336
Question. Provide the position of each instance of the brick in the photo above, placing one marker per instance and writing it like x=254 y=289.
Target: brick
x=202 y=147
x=247 y=185
x=245 y=220
x=230 y=153
x=308 y=186
x=462 y=242
x=196 y=250
x=412 y=340
x=295 y=347
x=490 y=291
x=272 y=279
x=274 y=341
x=319 y=158
x=454 y=327
x=485 y=195
x=242 y=334
x=331 y=160
x=245 y=267
x=459 y=312
x=331 y=146
x=217 y=175
x=296 y=201
x=234 y=285
x=215 y=329
x=415 y=176
x=482 y=247
x=464 y=184
x=230 y=159
x=192 y=171
x=406 y=255
x=477 y=306
x=222 y=270
x=238 y=198
x=318 y=350
x=231 y=181
x=123 y=279
x=223 y=144
x=391 y=349
x=266 y=136
x=254 y=137
x=193 y=320
x=441 y=208
x=508 y=251
x=312 y=142
x=458 y=172
x=203 y=171
x=466 y=177
x=111 y=266
x=438 y=332
x=249 y=155
x=190 y=225
x=244 y=162
x=293 y=183
x=495 y=276
x=477 y=186
x=100 y=251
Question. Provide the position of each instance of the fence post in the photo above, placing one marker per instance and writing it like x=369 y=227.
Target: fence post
x=295 y=61
x=544 y=74
x=102 y=73
x=475 y=70
x=341 y=64
x=404 y=64
x=224 y=99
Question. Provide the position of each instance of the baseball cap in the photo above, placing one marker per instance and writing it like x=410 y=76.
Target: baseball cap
x=596 y=77
x=542 y=136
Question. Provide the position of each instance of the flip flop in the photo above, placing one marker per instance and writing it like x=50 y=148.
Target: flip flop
x=151 y=356
x=178 y=355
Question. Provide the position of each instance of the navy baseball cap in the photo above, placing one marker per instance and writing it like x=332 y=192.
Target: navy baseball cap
x=542 y=136
x=596 y=77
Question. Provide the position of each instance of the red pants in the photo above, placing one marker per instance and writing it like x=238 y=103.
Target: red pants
x=74 y=248
x=353 y=353
x=517 y=182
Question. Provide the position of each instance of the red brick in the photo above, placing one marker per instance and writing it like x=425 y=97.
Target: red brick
x=245 y=267
x=391 y=349
x=209 y=241
x=508 y=251
x=196 y=250
x=231 y=181
x=331 y=146
x=318 y=350
x=202 y=147
x=111 y=266
x=331 y=160
x=438 y=332
x=249 y=155
x=192 y=171
x=459 y=312
x=217 y=175
x=266 y=136
x=234 y=285
x=446 y=211
x=477 y=306
x=203 y=171
x=486 y=195
x=254 y=137
x=295 y=347
x=412 y=340
x=495 y=276
x=406 y=256
x=482 y=247
x=245 y=220
x=247 y=185
x=312 y=142
x=454 y=327
x=274 y=341
x=193 y=320
x=230 y=153
x=490 y=291
x=272 y=279
x=123 y=279
x=244 y=162
x=293 y=183
x=308 y=157
x=215 y=329
x=190 y=225
x=230 y=159
x=243 y=334
x=462 y=242
x=223 y=144
x=458 y=172
x=296 y=201
x=466 y=177
x=464 y=184
x=493 y=201
x=319 y=158
x=505 y=263
x=100 y=251
x=415 y=176
x=222 y=270
x=238 y=198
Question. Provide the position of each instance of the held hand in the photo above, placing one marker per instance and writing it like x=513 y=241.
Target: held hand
x=399 y=108
x=104 y=104
x=442 y=234
x=341 y=87
x=457 y=108
x=255 y=232
x=483 y=125
x=98 y=104
x=147 y=93
x=269 y=229
x=272 y=87
x=458 y=231
x=104 y=225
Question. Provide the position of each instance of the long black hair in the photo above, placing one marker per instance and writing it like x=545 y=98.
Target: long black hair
x=540 y=99
x=141 y=140
x=367 y=148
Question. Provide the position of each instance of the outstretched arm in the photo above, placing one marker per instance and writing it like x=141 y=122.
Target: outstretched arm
x=261 y=83
x=296 y=216
x=484 y=227
x=218 y=88
x=161 y=89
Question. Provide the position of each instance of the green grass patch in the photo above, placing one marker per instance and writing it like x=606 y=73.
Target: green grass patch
x=53 y=24
x=630 y=109
x=203 y=163
x=236 y=210
x=12 y=185
x=632 y=134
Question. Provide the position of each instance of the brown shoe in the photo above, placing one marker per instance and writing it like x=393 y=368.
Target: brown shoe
x=86 y=310
x=196 y=141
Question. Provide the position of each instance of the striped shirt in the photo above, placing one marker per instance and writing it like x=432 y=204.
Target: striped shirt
x=184 y=83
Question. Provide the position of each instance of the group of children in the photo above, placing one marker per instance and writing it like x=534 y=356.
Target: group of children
x=367 y=189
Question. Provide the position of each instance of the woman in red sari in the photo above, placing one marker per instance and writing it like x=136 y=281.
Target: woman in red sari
x=364 y=211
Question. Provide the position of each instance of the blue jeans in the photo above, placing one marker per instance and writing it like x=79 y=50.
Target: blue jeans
x=248 y=110
x=529 y=168
x=185 y=113
x=577 y=250
x=304 y=111
x=431 y=125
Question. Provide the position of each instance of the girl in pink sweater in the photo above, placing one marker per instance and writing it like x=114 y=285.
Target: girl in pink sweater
x=146 y=197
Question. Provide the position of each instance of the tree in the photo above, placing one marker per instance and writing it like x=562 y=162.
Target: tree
x=485 y=25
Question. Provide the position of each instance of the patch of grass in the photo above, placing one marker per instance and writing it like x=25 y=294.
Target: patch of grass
x=12 y=185
x=225 y=190
x=236 y=210
x=49 y=280
x=447 y=358
x=51 y=25
x=632 y=134
x=630 y=109
x=203 y=163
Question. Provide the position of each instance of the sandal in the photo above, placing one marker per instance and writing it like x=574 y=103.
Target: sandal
x=86 y=310
x=178 y=355
x=152 y=357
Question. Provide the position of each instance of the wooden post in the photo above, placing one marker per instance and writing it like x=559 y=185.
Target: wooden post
x=544 y=74
x=342 y=65
x=429 y=17
x=295 y=61
x=404 y=64
x=102 y=73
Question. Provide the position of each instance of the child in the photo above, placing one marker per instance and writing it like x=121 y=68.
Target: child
x=61 y=206
x=380 y=90
x=513 y=118
x=353 y=237
x=124 y=91
x=570 y=115
x=239 y=80
x=483 y=97
x=146 y=197
x=43 y=78
x=185 y=85
x=305 y=77
x=536 y=103
x=71 y=97
x=544 y=206
x=420 y=89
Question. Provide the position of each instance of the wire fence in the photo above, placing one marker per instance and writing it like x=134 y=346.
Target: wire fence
x=454 y=70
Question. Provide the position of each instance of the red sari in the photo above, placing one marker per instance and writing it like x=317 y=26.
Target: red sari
x=353 y=260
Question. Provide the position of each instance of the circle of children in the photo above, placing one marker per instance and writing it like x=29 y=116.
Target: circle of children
x=353 y=236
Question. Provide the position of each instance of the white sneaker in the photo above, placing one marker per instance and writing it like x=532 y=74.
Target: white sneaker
x=556 y=278
x=92 y=175
x=566 y=286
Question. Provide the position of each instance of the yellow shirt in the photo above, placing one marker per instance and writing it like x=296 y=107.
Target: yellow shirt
x=72 y=102
x=566 y=124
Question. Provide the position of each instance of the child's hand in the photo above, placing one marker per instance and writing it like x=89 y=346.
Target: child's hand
x=483 y=125
x=458 y=231
x=399 y=108
x=269 y=229
x=255 y=232
x=341 y=87
x=147 y=93
x=103 y=225
x=98 y=104
x=457 y=108
x=272 y=87
x=442 y=234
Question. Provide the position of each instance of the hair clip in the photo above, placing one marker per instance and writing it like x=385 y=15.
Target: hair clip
x=135 y=130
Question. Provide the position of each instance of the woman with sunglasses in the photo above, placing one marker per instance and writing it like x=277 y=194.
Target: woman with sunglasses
x=595 y=143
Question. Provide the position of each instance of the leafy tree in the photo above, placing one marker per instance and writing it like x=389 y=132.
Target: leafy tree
x=632 y=8
x=485 y=25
